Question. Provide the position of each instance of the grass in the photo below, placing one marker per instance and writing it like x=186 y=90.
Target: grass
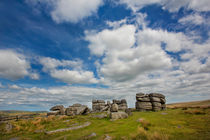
x=172 y=124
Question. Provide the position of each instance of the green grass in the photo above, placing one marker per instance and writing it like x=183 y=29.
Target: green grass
x=173 y=124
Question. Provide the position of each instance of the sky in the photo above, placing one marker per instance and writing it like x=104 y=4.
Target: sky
x=72 y=51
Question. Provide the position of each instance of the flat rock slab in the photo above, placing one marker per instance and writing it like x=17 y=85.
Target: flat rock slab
x=70 y=128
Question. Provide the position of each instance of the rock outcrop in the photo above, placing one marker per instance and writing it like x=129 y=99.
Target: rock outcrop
x=58 y=110
x=122 y=104
x=115 y=114
x=77 y=109
x=114 y=108
x=99 y=106
x=150 y=102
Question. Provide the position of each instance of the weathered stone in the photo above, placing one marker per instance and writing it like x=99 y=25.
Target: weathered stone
x=140 y=95
x=144 y=105
x=162 y=100
x=98 y=105
x=77 y=109
x=118 y=115
x=57 y=107
x=155 y=99
x=114 y=108
x=156 y=95
x=94 y=101
x=123 y=101
x=100 y=101
x=52 y=113
x=143 y=99
x=116 y=102
x=156 y=104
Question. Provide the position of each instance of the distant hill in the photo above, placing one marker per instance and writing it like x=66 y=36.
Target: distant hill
x=190 y=104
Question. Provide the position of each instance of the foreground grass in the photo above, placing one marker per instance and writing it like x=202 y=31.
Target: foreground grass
x=175 y=124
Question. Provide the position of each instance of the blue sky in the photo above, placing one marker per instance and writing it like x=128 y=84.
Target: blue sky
x=65 y=51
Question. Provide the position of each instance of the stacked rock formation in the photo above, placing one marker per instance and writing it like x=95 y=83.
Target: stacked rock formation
x=150 y=102
x=122 y=104
x=99 y=105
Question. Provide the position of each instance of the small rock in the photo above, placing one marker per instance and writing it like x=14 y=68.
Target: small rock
x=92 y=135
x=107 y=137
x=164 y=113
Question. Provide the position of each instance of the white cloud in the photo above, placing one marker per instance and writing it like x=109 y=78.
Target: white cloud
x=174 y=41
x=71 y=72
x=69 y=10
x=122 y=59
x=171 y=5
x=14 y=87
x=13 y=65
x=192 y=19
x=71 y=76
x=51 y=63
x=34 y=76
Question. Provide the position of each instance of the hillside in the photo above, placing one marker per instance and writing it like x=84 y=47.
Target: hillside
x=204 y=103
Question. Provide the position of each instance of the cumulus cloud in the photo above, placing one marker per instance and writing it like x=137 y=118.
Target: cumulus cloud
x=122 y=59
x=69 y=10
x=73 y=11
x=171 y=5
x=13 y=65
x=69 y=71
x=174 y=41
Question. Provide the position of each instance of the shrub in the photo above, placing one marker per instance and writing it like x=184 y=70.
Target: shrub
x=145 y=124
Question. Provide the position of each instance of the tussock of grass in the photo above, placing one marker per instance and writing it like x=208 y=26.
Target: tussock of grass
x=195 y=111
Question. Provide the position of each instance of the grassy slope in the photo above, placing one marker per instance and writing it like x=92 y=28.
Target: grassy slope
x=190 y=104
x=175 y=124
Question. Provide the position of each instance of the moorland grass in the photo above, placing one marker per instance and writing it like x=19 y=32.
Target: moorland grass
x=172 y=124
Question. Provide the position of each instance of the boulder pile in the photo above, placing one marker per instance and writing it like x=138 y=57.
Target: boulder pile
x=150 y=102
x=57 y=110
x=98 y=105
x=75 y=109
x=115 y=114
x=101 y=105
x=122 y=104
